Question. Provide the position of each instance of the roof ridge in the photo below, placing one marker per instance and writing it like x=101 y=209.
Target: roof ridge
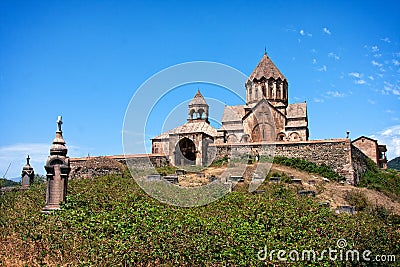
x=267 y=69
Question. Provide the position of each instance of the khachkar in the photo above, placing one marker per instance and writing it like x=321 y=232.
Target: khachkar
x=57 y=168
x=27 y=175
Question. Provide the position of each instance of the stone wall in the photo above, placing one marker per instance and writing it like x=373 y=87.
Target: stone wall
x=98 y=166
x=358 y=162
x=336 y=153
x=339 y=154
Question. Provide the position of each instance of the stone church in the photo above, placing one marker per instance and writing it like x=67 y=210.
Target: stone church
x=266 y=117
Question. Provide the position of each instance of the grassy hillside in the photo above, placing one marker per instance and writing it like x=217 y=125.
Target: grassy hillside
x=109 y=221
x=385 y=181
x=6 y=182
x=394 y=164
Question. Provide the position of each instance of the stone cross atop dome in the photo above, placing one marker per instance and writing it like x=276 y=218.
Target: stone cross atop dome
x=59 y=123
x=27 y=175
x=58 y=147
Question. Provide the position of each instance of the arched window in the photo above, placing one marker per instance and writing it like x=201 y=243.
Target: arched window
x=278 y=93
x=264 y=90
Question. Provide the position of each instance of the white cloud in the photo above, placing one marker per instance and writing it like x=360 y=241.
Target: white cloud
x=361 y=81
x=371 y=78
x=375 y=49
x=323 y=68
x=376 y=63
x=391 y=88
x=335 y=94
x=318 y=100
x=333 y=55
x=314 y=61
x=303 y=33
x=38 y=152
x=355 y=74
x=372 y=102
x=396 y=62
x=391 y=138
x=327 y=31
x=16 y=155
x=377 y=55
x=386 y=39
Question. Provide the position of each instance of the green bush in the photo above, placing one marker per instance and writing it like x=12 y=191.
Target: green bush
x=110 y=221
x=358 y=200
x=385 y=181
x=308 y=166
x=166 y=170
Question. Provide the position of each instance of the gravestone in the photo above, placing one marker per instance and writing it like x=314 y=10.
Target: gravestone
x=346 y=209
x=57 y=169
x=306 y=193
x=153 y=177
x=212 y=178
x=171 y=178
x=325 y=204
x=27 y=175
x=236 y=178
x=311 y=182
x=275 y=179
x=296 y=181
x=180 y=172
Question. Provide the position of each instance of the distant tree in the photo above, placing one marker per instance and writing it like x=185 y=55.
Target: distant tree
x=6 y=183
x=39 y=178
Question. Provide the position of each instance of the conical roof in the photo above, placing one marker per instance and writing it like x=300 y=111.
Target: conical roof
x=198 y=99
x=267 y=69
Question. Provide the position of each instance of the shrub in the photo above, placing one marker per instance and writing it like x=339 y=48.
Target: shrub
x=385 y=181
x=357 y=199
x=308 y=166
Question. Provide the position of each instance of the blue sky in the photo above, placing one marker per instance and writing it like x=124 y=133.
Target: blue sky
x=85 y=59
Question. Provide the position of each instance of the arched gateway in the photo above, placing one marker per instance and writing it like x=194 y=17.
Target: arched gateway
x=185 y=152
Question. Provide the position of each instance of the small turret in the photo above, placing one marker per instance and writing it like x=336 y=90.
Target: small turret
x=198 y=108
x=27 y=175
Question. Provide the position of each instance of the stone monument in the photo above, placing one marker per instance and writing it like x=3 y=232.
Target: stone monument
x=57 y=169
x=27 y=175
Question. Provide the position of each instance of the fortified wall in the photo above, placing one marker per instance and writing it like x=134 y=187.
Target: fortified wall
x=339 y=154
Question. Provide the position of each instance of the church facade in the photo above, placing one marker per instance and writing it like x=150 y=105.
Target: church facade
x=266 y=117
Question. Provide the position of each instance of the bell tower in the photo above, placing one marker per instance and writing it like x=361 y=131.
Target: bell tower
x=198 y=109
x=267 y=82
